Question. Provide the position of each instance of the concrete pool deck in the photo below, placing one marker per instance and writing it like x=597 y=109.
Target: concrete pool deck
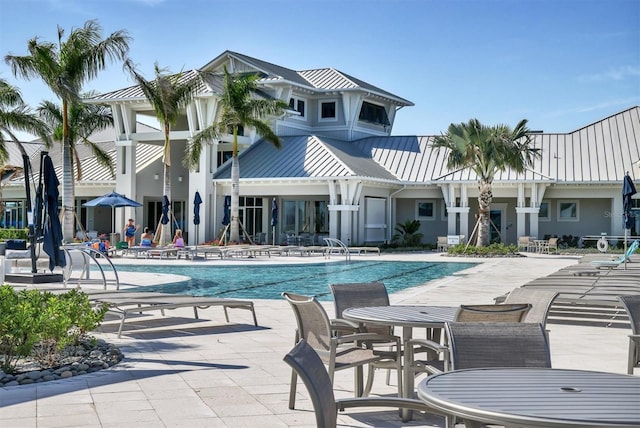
x=181 y=372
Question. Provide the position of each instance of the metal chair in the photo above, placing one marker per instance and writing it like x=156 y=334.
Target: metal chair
x=514 y=312
x=632 y=305
x=361 y=294
x=306 y=362
x=338 y=352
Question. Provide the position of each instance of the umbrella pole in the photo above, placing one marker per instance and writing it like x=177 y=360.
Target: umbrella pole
x=625 y=248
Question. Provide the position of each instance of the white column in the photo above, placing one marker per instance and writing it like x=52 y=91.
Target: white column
x=125 y=180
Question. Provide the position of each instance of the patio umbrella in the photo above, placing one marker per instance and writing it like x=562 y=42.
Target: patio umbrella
x=628 y=190
x=197 y=200
x=274 y=220
x=52 y=227
x=113 y=200
x=227 y=211
x=166 y=205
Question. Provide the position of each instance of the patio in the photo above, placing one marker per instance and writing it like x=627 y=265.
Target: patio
x=182 y=372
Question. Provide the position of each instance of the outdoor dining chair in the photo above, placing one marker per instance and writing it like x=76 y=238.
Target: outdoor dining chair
x=338 y=352
x=361 y=294
x=306 y=362
x=632 y=305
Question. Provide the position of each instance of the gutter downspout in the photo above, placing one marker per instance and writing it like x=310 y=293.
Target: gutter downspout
x=389 y=216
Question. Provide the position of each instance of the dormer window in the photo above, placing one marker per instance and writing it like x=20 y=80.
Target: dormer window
x=297 y=104
x=327 y=110
x=374 y=113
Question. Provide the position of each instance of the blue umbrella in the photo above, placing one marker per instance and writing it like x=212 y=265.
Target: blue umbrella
x=197 y=200
x=113 y=200
x=166 y=205
x=628 y=190
x=52 y=227
x=227 y=211
x=274 y=219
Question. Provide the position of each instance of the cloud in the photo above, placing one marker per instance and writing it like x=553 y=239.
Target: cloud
x=619 y=73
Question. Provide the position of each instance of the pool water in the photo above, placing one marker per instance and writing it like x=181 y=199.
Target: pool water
x=268 y=282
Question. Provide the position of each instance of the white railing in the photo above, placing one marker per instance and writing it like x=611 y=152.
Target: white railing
x=336 y=245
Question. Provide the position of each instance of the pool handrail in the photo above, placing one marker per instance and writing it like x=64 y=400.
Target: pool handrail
x=336 y=244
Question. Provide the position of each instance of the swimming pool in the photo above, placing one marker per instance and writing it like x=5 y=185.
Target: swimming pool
x=268 y=281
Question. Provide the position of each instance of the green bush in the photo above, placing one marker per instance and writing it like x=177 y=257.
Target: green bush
x=40 y=324
x=13 y=234
x=408 y=234
x=492 y=250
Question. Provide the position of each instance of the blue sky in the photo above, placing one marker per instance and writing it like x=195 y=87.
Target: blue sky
x=561 y=64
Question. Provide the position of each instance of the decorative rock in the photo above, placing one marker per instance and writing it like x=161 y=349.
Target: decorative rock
x=66 y=374
x=35 y=375
x=26 y=381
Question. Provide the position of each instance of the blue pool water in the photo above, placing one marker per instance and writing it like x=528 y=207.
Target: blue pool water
x=267 y=282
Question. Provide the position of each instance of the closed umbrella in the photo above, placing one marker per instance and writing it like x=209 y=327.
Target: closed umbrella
x=52 y=228
x=628 y=190
x=166 y=206
x=197 y=200
x=226 y=219
x=274 y=220
x=113 y=200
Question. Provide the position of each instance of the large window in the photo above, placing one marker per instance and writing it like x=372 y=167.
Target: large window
x=223 y=157
x=298 y=105
x=251 y=211
x=12 y=216
x=543 y=214
x=374 y=113
x=568 y=211
x=328 y=110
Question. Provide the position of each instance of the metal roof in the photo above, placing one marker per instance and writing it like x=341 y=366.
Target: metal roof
x=305 y=157
x=598 y=153
x=317 y=80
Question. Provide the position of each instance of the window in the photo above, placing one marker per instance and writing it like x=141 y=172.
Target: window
x=297 y=104
x=327 y=110
x=543 y=214
x=223 y=157
x=240 y=130
x=568 y=211
x=425 y=210
x=374 y=113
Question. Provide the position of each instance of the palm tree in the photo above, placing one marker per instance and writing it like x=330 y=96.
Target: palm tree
x=487 y=151
x=84 y=120
x=169 y=94
x=65 y=67
x=239 y=109
x=15 y=115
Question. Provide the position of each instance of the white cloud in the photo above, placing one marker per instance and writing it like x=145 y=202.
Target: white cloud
x=618 y=73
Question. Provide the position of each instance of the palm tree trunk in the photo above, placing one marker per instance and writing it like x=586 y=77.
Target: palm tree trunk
x=484 y=210
x=68 y=193
x=165 y=230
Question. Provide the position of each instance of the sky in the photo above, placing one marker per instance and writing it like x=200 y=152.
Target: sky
x=560 y=64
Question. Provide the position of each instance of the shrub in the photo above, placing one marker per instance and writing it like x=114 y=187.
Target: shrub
x=40 y=324
x=13 y=233
x=491 y=250
x=408 y=234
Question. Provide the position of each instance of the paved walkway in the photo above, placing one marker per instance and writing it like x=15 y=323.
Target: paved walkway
x=180 y=372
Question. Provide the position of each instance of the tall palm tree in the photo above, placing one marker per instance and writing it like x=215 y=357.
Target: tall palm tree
x=84 y=120
x=238 y=109
x=487 y=151
x=169 y=95
x=65 y=67
x=15 y=115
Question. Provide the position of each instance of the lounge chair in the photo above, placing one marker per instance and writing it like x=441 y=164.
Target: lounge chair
x=540 y=301
x=620 y=260
x=126 y=303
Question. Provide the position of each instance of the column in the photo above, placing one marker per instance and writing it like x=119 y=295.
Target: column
x=126 y=175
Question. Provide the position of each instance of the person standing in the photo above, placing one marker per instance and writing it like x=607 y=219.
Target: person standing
x=130 y=232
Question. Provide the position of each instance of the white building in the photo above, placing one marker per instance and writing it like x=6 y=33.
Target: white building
x=340 y=173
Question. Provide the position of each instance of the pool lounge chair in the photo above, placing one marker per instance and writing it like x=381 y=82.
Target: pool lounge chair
x=609 y=264
x=126 y=303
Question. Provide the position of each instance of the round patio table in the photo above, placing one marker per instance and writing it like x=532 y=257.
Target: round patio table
x=407 y=317
x=536 y=397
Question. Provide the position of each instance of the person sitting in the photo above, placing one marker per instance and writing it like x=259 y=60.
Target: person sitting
x=178 y=242
x=146 y=239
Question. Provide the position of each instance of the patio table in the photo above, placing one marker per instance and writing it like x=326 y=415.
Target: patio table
x=535 y=397
x=407 y=317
